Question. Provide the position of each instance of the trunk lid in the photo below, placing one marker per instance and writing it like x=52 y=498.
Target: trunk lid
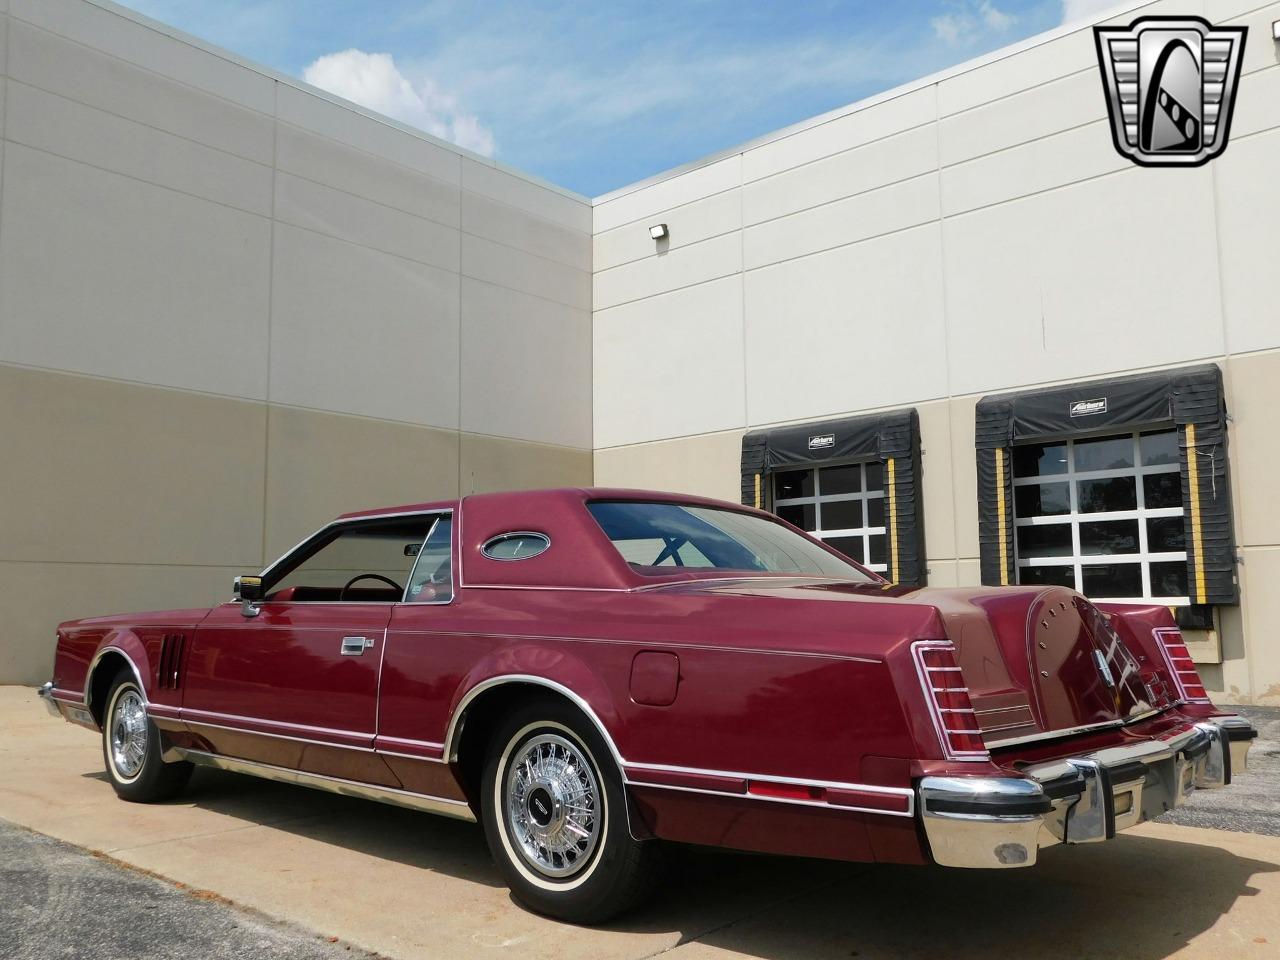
x=1042 y=660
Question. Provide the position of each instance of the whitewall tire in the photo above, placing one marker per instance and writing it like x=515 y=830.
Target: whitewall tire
x=555 y=817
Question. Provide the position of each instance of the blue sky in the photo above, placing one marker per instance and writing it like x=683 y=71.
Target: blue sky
x=593 y=96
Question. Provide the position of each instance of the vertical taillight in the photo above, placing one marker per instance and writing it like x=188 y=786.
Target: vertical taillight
x=948 y=699
x=1181 y=667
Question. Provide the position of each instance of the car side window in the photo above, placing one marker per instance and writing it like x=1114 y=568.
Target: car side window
x=365 y=561
x=432 y=577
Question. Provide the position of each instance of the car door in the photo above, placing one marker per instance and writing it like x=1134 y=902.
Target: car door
x=292 y=680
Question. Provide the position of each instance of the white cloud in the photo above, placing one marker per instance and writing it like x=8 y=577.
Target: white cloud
x=373 y=80
x=995 y=18
x=954 y=28
x=969 y=23
x=1074 y=11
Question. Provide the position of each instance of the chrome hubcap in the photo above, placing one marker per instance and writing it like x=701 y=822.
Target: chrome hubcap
x=553 y=805
x=128 y=734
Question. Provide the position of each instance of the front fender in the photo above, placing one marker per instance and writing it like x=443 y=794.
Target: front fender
x=116 y=645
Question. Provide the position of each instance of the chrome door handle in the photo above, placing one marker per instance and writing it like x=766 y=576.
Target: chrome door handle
x=355 y=646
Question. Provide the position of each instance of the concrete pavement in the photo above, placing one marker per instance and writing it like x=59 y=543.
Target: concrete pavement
x=409 y=885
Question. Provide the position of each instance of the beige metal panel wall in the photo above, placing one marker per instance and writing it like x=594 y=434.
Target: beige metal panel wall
x=232 y=307
x=975 y=234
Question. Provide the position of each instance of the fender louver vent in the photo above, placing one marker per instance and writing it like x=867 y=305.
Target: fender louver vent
x=170 y=660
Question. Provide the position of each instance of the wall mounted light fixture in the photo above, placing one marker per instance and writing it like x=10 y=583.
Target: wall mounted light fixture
x=658 y=231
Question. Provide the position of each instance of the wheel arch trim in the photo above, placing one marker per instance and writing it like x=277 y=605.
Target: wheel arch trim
x=93 y=667
x=457 y=720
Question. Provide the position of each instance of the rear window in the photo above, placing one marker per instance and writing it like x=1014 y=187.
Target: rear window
x=660 y=538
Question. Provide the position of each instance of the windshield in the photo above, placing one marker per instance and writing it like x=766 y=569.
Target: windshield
x=659 y=538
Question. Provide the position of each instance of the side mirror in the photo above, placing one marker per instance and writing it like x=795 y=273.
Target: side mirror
x=248 y=589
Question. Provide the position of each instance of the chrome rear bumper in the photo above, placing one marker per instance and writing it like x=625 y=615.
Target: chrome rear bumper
x=1003 y=821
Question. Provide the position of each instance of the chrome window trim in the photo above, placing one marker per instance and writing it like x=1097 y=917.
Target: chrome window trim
x=437 y=513
x=453 y=579
x=342 y=521
x=511 y=535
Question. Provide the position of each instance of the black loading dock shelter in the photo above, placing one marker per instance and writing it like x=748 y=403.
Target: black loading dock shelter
x=891 y=439
x=1188 y=399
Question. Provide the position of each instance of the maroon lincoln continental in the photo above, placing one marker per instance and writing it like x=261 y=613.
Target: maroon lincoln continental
x=592 y=672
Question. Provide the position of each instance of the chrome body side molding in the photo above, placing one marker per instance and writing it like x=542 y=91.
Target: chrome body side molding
x=457 y=809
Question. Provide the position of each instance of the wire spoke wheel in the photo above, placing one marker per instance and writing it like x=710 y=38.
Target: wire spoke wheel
x=553 y=805
x=128 y=731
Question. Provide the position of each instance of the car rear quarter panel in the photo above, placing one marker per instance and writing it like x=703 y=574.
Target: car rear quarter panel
x=764 y=687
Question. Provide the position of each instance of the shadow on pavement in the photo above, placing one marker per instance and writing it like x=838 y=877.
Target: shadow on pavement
x=1137 y=898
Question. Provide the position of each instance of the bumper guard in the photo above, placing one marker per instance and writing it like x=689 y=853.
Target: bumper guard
x=1003 y=821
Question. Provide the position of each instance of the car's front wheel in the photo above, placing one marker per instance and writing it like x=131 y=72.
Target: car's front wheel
x=555 y=817
x=131 y=747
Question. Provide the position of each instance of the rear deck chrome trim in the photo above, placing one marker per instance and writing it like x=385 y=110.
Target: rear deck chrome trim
x=1072 y=731
x=457 y=809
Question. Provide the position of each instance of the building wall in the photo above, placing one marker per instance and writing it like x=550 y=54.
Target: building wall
x=967 y=235
x=232 y=307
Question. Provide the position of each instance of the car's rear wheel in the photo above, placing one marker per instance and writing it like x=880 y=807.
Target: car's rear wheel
x=131 y=746
x=555 y=817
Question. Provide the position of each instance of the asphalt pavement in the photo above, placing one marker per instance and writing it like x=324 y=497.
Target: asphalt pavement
x=59 y=901
x=1252 y=803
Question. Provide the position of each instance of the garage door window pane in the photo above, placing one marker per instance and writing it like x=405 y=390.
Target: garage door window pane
x=1162 y=490
x=1053 y=540
x=1169 y=579
x=841 y=479
x=1056 y=576
x=802 y=515
x=842 y=515
x=851 y=547
x=1166 y=535
x=793 y=483
x=1105 y=496
x=1158 y=448
x=1104 y=453
x=1042 y=499
x=1039 y=459
x=1108 y=537
x=875 y=512
x=1112 y=580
